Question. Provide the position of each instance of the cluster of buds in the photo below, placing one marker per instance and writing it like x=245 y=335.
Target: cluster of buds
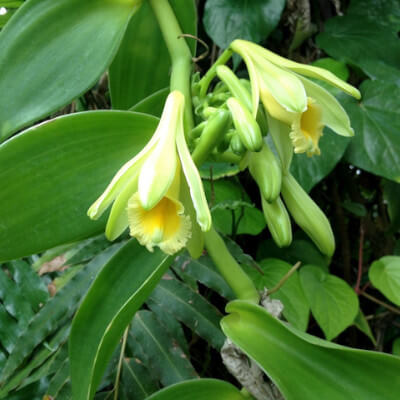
x=294 y=112
x=159 y=193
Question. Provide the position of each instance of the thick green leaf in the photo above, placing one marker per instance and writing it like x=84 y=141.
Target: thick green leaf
x=385 y=276
x=53 y=51
x=137 y=382
x=376 y=122
x=296 y=309
x=54 y=172
x=158 y=351
x=333 y=302
x=202 y=389
x=133 y=75
x=190 y=308
x=357 y=40
x=308 y=171
x=120 y=289
x=305 y=367
x=55 y=312
x=226 y=20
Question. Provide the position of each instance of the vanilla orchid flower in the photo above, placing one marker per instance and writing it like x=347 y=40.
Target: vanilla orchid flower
x=294 y=100
x=147 y=191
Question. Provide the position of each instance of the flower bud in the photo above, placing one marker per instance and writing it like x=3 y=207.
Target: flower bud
x=308 y=215
x=278 y=221
x=246 y=125
x=237 y=145
x=266 y=171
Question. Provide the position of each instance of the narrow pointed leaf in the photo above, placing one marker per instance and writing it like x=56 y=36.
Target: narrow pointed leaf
x=158 y=350
x=291 y=358
x=53 y=51
x=41 y=171
x=117 y=293
x=55 y=312
x=190 y=308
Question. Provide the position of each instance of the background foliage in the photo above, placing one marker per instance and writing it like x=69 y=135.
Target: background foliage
x=352 y=299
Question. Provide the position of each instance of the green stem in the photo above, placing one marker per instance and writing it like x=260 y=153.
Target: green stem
x=231 y=271
x=181 y=57
x=212 y=72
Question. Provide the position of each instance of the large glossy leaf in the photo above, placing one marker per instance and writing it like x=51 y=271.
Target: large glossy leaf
x=376 y=122
x=53 y=172
x=53 y=51
x=117 y=293
x=358 y=40
x=384 y=12
x=142 y=64
x=333 y=302
x=385 y=276
x=202 y=389
x=305 y=367
x=226 y=20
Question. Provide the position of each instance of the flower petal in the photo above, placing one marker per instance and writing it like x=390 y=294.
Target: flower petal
x=307 y=70
x=194 y=182
x=284 y=86
x=120 y=179
x=159 y=169
x=118 y=220
x=280 y=136
x=333 y=114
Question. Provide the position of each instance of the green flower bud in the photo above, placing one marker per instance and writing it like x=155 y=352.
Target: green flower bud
x=308 y=215
x=266 y=171
x=246 y=125
x=213 y=133
x=237 y=146
x=278 y=221
x=235 y=86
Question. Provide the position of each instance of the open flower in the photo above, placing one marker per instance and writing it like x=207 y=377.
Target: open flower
x=147 y=190
x=294 y=100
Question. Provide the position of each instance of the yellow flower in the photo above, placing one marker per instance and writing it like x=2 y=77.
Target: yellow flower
x=294 y=100
x=149 y=191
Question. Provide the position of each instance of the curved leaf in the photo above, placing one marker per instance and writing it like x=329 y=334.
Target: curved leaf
x=202 y=389
x=53 y=51
x=385 y=276
x=117 y=293
x=54 y=171
x=291 y=359
x=133 y=75
x=333 y=302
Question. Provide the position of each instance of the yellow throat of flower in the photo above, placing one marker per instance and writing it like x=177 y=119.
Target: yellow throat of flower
x=307 y=130
x=164 y=225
